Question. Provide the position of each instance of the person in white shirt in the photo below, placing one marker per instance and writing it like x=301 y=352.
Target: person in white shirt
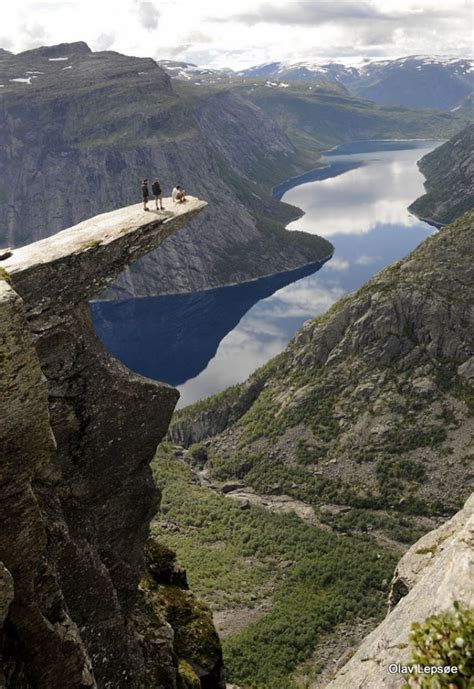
x=178 y=194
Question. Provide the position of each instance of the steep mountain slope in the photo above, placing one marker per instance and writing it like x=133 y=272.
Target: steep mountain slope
x=361 y=429
x=81 y=129
x=370 y=406
x=433 y=576
x=322 y=115
x=449 y=172
x=465 y=108
x=86 y=600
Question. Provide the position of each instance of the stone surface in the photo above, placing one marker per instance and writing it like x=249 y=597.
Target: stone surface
x=376 y=393
x=436 y=571
x=59 y=164
x=78 y=430
x=165 y=590
x=449 y=172
x=38 y=613
x=6 y=597
x=6 y=592
x=76 y=264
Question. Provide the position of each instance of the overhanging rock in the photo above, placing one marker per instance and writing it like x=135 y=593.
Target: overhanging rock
x=79 y=432
x=76 y=264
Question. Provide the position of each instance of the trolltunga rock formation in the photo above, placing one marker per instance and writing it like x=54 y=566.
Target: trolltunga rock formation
x=77 y=433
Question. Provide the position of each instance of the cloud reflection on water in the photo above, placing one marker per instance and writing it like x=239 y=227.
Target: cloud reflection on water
x=205 y=341
x=364 y=212
x=355 y=202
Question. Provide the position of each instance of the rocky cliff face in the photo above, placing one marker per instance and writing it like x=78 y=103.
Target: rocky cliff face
x=449 y=172
x=81 y=129
x=77 y=493
x=436 y=571
x=370 y=406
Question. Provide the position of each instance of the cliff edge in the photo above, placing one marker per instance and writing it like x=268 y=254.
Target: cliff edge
x=435 y=572
x=449 y=173
x=76 y=492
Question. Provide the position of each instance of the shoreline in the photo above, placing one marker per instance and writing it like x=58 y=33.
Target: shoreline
x=313 y=175
x=320 y=262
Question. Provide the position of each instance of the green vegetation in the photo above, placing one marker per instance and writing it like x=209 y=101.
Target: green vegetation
x=269 y=475
x=402 y=528
x=310 y=454
x=5 y=275
x=313 y=579
x=195 y=639
x=446 y=639
x=91 y=244
x=188 y=677
x=321 y=116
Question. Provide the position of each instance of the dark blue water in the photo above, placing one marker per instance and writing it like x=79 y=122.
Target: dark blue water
x=205 y=341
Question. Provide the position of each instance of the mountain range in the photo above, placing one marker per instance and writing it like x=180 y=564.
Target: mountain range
x=414 y=81
x=82 y=128
x=361 y=428
x=290 y=496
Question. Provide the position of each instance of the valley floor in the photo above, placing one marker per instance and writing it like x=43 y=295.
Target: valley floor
x=290 y=595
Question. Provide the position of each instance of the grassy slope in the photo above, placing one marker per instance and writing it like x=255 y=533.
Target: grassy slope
x=357 y=431
x=311 y=579
x=324 y=116
x=354 y=432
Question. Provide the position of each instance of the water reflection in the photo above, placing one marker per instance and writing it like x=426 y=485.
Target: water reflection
x=173 y=337
x=375 y=193
x=205 y=341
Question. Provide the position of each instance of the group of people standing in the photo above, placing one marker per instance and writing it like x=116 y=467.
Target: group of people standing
x=178 y=194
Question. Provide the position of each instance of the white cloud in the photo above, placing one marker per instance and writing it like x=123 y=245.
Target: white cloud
x=365 y=204
x=367 y=260
x=239 y=33
x=338 y=264
x=104 y=41
x=148 y=14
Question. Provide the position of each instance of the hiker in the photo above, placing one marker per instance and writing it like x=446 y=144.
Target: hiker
x=145 y=193
x=178 y=195
x=156 y=189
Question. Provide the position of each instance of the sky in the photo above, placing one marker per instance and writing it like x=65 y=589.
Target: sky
x=241 y=33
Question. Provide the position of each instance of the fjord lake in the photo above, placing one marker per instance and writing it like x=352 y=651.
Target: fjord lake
x=205 y=341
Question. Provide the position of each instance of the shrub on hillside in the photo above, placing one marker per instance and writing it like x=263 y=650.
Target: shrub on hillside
x=444 y=640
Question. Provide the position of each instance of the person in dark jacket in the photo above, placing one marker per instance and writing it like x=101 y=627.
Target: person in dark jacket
x=156 y=189
x=145 y=193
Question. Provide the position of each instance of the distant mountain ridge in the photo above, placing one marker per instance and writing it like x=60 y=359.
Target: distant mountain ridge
x=80 y=129
x=414 y=81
